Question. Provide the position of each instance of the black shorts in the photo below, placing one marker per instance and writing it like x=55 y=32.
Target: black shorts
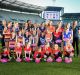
x=47 y=54
x=6 y=57
x=57 y=55
x=6 y=39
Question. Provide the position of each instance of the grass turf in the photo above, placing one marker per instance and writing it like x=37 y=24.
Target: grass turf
x=43 y=68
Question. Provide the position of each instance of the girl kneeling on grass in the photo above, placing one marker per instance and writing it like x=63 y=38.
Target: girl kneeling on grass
x=18 y=50
x=27 y=51
x=5 y=57
x=68 y=52
x=57 y=53
x=38 y=55
x=47 y=53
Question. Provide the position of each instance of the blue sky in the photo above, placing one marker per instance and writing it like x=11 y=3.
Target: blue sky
x=70 y=6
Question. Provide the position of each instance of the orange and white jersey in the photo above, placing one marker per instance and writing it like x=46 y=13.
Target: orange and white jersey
x=47 y=50
x=18 y=49
x=48 y=37
x=27 y=49
x=20 y=39
x=51 y=28
x=7 y=34
x=68 y=49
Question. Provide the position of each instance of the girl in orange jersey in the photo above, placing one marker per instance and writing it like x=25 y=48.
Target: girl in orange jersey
x=48 y=36
x=50 y=26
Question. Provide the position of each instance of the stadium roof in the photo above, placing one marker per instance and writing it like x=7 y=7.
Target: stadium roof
x=20 y=6
x=71 y=15
x=49 y=8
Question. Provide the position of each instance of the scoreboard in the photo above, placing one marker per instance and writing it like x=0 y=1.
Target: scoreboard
x=51 y=15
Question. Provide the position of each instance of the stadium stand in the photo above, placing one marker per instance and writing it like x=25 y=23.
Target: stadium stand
x=69 y=17
x=14 y=10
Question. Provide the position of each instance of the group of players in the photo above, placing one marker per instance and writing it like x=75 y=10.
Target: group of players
x=36 y=42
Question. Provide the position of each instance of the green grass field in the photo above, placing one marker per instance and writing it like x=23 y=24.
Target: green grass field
x=43 y=68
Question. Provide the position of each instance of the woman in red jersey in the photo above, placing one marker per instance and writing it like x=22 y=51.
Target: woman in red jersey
x=38 y=54
x=47 y=52
x=57 y=53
